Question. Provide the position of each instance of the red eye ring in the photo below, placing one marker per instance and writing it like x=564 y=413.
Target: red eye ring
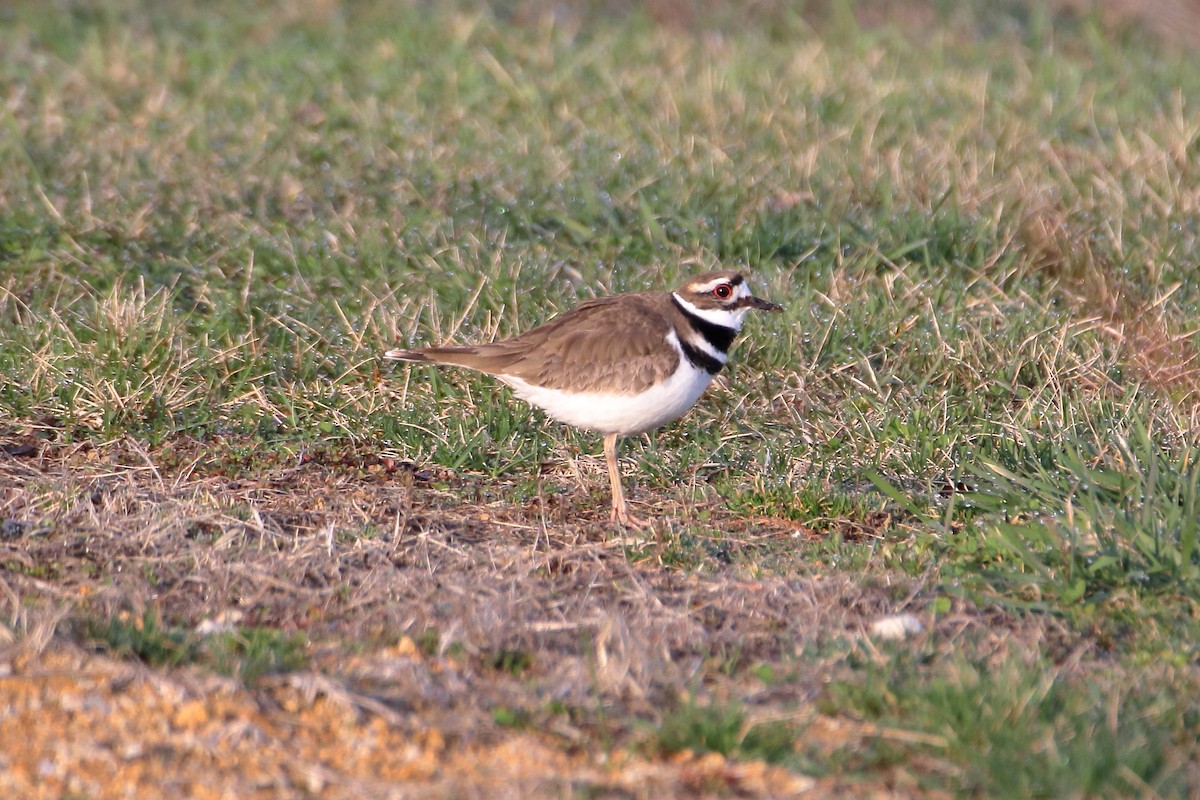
x=723 y=291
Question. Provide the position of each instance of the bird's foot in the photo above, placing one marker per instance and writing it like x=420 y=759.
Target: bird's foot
x=620 y=514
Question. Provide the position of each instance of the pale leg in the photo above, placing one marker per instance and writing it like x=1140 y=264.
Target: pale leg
x=620 y=512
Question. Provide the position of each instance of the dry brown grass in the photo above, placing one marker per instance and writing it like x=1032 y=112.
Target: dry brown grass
x=1158 y=346
x=1176 y=21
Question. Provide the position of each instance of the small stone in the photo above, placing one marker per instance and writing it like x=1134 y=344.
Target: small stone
x=896 y=627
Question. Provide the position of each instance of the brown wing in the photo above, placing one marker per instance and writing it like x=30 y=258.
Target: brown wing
x=611 y=344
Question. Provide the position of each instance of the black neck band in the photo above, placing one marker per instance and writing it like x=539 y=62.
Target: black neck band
x=700 y=359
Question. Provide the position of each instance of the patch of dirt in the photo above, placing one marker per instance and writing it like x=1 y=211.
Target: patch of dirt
x=453 y=649
x=86 y=725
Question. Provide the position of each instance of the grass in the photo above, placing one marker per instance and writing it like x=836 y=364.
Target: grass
x=245 y=653
x=1084 y=524
x=1020 y=732
x=724 y=730
x=979 y=406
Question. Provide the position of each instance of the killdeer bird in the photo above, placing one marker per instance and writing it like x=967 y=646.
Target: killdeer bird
x=619 y=365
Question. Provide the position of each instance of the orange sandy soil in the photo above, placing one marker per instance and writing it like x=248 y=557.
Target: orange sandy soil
x=78 y=724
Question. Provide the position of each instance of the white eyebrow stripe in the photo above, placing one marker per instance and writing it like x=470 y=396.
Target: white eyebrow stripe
x=704 y=288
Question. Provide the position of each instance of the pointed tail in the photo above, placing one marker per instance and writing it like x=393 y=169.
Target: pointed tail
x=419 y=356
x=485 y=358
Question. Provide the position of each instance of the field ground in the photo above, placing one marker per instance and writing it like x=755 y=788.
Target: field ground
x=934 y=534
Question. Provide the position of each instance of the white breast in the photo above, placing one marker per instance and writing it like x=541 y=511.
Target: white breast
x=624 y=414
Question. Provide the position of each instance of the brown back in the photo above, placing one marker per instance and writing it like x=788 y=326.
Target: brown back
x=610 y=344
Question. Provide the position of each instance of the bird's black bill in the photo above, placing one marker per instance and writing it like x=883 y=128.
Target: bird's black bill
x=760 y=304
